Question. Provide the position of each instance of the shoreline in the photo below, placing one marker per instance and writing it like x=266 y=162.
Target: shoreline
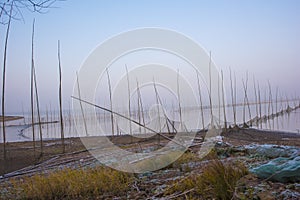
x=22 y=154
x=233 y=148
x=10 y=118
x=280 y=134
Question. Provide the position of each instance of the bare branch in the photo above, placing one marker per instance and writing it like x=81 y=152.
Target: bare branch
x=39 y=6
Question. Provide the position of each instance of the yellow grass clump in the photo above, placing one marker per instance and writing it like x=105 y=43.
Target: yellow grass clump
x=74 y=184
x=217 y=181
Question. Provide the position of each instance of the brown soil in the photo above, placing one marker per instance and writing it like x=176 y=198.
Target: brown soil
x=23 y=154
x=247 y=136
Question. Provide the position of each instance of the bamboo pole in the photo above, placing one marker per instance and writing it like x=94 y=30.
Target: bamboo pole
x=266 y=107
x=47 y=119
x=158 y=105
x=276 y=107
x=259 y=101
x=272 y=107
x=141 y=104
x=269 y=101
x=158 y=110
x=219 y=103
x=104 y=119
x=36 y=93
x=210 y=97
x=256 y=98
x=38 y=111
x=133 y=121
x=244 y=104
x=3 y=81
x=245 y=86
x=129 y=102
x=224 y=106
x=70 y=119
x=62 y=134
x=235 y=96
x=111 y=104
x=140 y=107
x=232 y=98
x=50 y=110
x=179 y=103
x=201 y=103
x=139 y=111
x=159 y=102
x=80 y=103
x=32 y=90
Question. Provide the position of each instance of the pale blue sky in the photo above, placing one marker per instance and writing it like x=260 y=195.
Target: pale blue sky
x=259 y=36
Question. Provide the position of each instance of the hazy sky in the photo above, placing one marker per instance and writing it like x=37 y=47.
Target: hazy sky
x=261 y=37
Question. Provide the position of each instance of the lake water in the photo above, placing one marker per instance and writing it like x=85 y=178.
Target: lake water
x=21 y=130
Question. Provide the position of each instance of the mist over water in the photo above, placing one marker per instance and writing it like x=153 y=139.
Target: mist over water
x=21 y=130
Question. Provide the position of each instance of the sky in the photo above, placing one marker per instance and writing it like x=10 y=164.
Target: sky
x=261 y=37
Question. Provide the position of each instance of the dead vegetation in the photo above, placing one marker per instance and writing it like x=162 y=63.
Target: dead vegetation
x=100 y=182
x=217 y=181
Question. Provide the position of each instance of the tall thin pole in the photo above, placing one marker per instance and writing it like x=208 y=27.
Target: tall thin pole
x=36 y=94
x=3 y=81
x=158 y=110
x=80 y=103
x=129 y=102
x=259 y=101
x=276 y=99
x=276 y=107
x=256 y=100
x=232 y=98
x=62 y=134
x=32 y=90
x=138 y=108
x=140 y=104
x=38 y=111
x=219 y=102
x=159 y=102
x=200 y=99
x=47 y=120
x=271 y=104
x=210 y=98
x=246 y=100
x=224 y=106
x=111 y=106
x=133 y=121
x=179 y=103
x=244 y=104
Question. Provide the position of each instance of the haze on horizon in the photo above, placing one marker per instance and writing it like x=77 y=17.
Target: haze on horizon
x=261 y=37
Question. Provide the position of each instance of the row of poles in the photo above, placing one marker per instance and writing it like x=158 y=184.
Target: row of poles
x=34 y=99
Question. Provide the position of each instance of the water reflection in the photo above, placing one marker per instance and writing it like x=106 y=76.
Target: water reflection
x=21 y=130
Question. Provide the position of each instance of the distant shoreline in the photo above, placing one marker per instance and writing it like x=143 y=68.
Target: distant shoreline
x=10 y=118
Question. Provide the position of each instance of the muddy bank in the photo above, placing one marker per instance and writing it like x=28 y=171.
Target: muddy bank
x=156 y=184
x=22 y=154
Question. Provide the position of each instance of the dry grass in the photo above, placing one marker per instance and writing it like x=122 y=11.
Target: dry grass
x=218 y=181
x=99 y=182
